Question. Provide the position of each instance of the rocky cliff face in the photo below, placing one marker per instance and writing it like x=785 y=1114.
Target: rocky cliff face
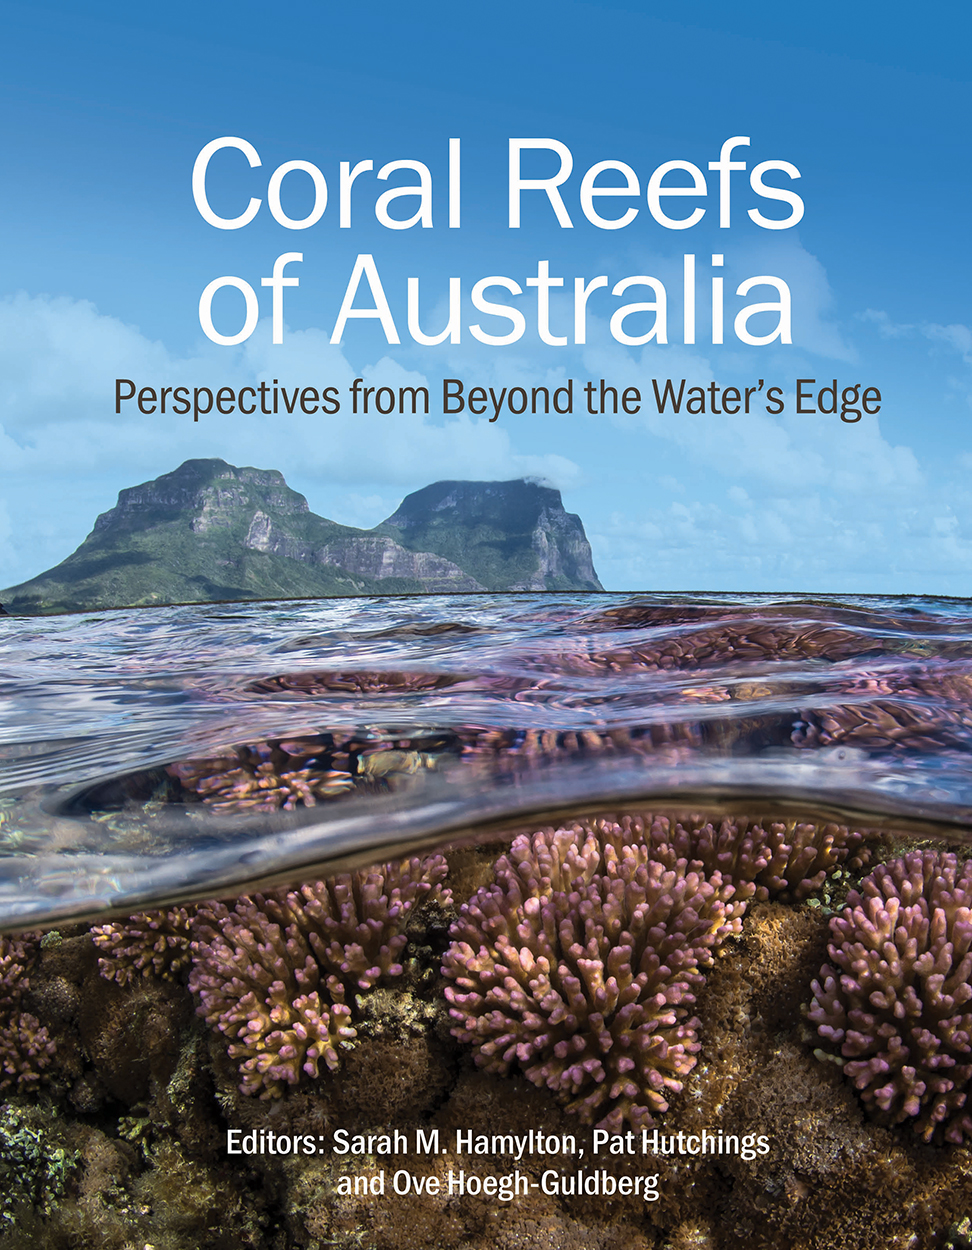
x=562 y=550
x=360 y=554
x=212 y=491
x=509 y=535
x=211 y=531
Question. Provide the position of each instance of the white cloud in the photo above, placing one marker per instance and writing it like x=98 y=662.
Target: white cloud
x=908 y=543
x=814 y=329
x=789 y=450
x=53 y=357
x=887 y=328
x=60 y=358
x=956 y=336
x=363 y=511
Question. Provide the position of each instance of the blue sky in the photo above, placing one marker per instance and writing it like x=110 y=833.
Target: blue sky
x=103 y=257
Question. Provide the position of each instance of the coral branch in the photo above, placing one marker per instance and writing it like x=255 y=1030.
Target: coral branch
x=277 y=973
x=26 y=1050
x=580 y=966
x=150 y=943
x=896 y=1005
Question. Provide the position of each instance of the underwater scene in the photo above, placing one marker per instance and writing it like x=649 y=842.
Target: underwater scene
x=488 y=922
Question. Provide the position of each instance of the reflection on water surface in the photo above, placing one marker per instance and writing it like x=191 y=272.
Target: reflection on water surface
x=157 y=753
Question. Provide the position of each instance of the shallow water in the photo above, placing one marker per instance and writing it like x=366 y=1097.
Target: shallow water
x=162 y=753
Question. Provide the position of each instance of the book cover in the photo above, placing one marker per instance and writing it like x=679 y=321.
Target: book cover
x=484 y=533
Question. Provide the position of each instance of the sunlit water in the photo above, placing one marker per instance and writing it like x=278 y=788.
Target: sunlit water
x=160 y=753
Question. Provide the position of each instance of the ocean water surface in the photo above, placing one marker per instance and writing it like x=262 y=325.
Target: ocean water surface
x=158 y=754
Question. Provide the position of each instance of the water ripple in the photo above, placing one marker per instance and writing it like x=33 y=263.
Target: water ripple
x=170 y=751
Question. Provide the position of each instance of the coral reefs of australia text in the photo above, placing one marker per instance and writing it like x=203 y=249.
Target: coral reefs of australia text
x=676 y=198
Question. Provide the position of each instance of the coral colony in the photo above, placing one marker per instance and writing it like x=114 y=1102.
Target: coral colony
x=146 y=944
x=277 y=973
x=785 y=859
x=897 y=1008
x=25 y=1047
x=263 y=777
x=580 y=964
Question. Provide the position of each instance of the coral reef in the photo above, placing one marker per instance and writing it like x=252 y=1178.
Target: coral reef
x=589 y=974
x=126 y=1145
x=263 y=777
x=772 y=859
x=277 y=973
x=150 y=943
x=26 y=1049
x=895 y=1004
x=580 y=966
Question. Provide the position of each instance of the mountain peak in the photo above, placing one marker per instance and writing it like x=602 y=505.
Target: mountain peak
x=210 y=531
x=204 y=488
x=511 y=535
x=519 y=502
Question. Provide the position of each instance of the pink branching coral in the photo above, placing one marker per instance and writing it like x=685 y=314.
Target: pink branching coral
x=897 y=1006
x=513 y=750
x=277 y=973
x=25 y=1050
x=15 y=955
x=882 y=724
x=775 y=859
x=25 y=1047
x=580 y=965
x=150 y=943
x=263 y=777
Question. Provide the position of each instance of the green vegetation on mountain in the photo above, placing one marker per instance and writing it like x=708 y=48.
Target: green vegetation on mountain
x=209 y=531
x=512 y=536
